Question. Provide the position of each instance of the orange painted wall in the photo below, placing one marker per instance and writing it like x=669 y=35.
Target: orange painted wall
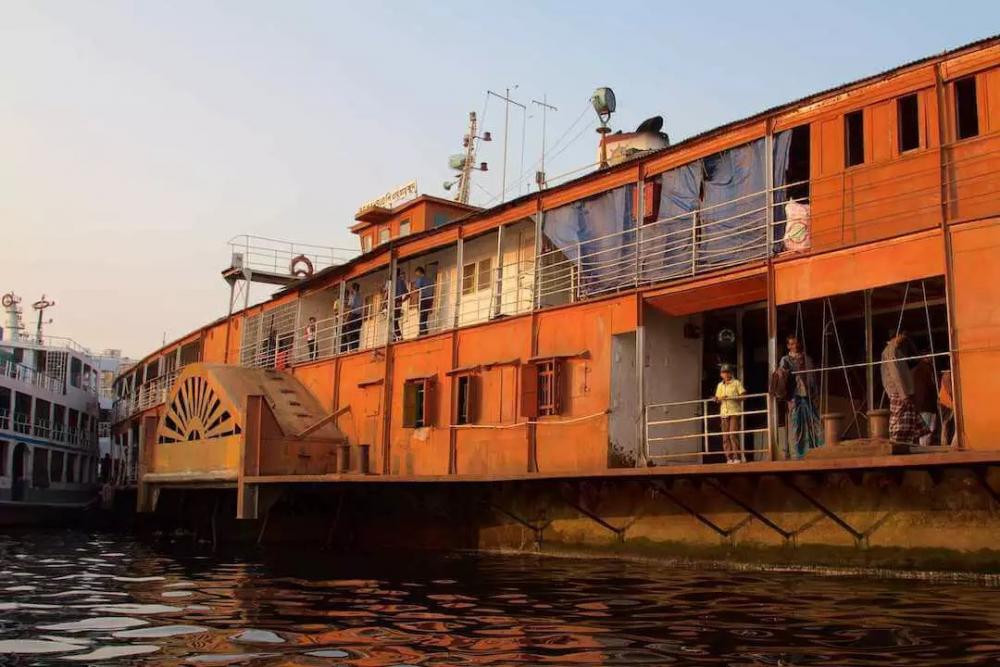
x=578 y=439
x=421 y=451
x=363 y=424
x=500 y=441
x=976 y=268
x=854 y=269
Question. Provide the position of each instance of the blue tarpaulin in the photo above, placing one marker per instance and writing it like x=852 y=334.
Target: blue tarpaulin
x=597 y=235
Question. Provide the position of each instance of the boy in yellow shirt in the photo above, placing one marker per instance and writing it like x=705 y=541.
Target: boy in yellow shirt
x=728 y=394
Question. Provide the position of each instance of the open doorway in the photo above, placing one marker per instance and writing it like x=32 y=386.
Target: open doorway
x=684 y=356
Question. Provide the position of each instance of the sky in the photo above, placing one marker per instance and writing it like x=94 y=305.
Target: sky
x=137 y=138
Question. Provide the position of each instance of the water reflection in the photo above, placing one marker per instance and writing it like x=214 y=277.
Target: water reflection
x=108 y=599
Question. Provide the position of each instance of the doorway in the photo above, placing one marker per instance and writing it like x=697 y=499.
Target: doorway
x=18 y=466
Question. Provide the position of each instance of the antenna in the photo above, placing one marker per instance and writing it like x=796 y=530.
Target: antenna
x=40 y=306
x=540 y=174
x=506 y=124
x=465 y=163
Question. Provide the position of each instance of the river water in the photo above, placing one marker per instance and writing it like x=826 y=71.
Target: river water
x=68 y=597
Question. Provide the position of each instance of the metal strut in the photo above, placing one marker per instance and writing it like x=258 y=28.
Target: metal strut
x=538 y=530
x=980 y=473
x=860 y=537
x=619 y=532
x=726 y=533
x=786 y=535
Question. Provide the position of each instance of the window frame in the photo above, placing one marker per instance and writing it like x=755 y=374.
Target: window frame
x=971 y=79
x=417 y=403
x=466 y=397
x=849 y=137
x=542 y=388
x=900 y=133
x=404 y=223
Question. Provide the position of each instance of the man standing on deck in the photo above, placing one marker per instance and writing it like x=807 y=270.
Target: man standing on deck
x=352 y=324
x=905 y=424
x=425 y=297
x=311 y=338
x=402 y=295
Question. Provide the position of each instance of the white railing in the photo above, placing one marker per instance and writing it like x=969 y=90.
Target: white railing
x=53 y=342
x=23 y=373
x=259 y=253
x=148 y=395
x=688 y=431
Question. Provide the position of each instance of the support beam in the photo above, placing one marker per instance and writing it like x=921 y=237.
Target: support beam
x=537 y=530
x=725 y=533
x=786 y=535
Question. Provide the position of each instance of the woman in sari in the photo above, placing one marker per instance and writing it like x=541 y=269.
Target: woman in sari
x=805 y=431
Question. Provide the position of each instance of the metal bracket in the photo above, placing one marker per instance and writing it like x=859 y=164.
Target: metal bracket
x=538 y=530
x=860 y=537
x=619 y=532
x=725 y=533
x=785 y=535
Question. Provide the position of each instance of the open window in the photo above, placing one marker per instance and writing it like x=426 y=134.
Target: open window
x=466 y=398
x=854 y=138
x=966 y=108
x=908 y=114
x=541 y=388
x=417 y=406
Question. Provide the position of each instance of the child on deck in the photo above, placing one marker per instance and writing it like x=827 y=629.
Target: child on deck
x=728 y=394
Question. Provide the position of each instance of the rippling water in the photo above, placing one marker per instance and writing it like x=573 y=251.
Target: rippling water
x=69 y=597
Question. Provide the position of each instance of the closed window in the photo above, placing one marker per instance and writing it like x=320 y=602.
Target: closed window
x=854 y=138
x=908 y=112
x=366 y=242
x=469 y=278
x=383 y=235
x=966 y=108
x=404 y=228
x=417 y=410
x=485 y=272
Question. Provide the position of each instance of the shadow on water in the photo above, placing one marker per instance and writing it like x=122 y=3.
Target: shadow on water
x=68 y=597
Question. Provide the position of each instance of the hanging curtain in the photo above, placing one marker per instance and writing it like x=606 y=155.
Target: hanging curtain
x=666 y=243
x=597 y=235
x=733 y=218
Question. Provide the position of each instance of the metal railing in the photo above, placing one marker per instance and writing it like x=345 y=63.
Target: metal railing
x=696 y=428
x=28 y=375
x=259 y=253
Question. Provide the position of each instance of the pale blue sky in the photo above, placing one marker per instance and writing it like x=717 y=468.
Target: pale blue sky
x=137 y=138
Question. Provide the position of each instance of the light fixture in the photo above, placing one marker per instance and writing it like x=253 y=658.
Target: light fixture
x=603 y=101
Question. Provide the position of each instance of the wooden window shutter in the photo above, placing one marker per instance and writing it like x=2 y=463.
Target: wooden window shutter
x=472 y=400
x=409 y=405
x=529 y=391
x=428 y=407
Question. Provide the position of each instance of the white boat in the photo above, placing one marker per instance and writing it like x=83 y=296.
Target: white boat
x=50 y=420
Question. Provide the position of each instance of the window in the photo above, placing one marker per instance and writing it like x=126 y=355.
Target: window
x=908 y=113
x=485 y=278
x=75 y=369
x=854 y=138
x=477 y=276
x=71 y=468
x=404 y=227
x=3 y=458
x=366 y=243
x=469 y=278
x=966 y=108
x=440 y=219
x=465 y=403
x=383 y=235
x=541 y=388
x=417 y=403
x=56 y=466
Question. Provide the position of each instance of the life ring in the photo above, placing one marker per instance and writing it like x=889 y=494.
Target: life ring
x=8 y=300
x=298 y=271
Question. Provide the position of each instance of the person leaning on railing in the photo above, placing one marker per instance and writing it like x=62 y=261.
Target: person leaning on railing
x=729 y=394
x=425 y=297
x=799 y=387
